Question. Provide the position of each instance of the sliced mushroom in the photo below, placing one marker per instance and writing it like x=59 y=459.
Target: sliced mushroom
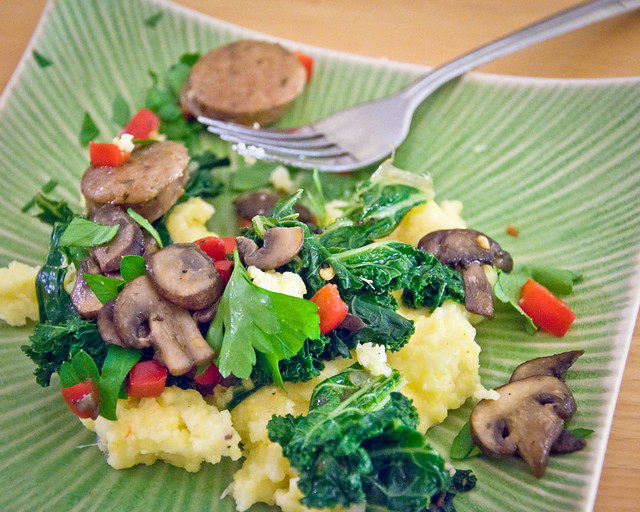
x=567 y=443
x=262 y=203
x=280 y=246
x=527 y=419
x=128 y=240
x=82 y=297
x=467 y=250
x=186 y=276
x=206 y=315
x=106 y=325
x=555 y=365
x=144 y=319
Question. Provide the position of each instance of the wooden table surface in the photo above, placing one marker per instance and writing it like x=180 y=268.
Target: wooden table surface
x=430 y=33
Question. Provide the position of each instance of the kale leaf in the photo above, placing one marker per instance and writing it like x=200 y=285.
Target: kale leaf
x=359 y=444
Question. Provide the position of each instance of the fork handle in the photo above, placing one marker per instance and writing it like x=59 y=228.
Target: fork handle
x=565 y=21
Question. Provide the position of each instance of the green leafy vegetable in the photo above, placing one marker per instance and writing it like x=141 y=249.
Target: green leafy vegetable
x=581 y=433
x=153 y=20
x=132 y=266
x=251 y=319
x=42 y=61
x=252 y=177
x=81 y=368
x=201 y=182
x=51 y=210
x=115 y=369
x=52 y=344
x=146 y=225
x=558 y=281
x=463 y=447
x=105 y=288
x=359 y=444
x=85 y=233
x=88 y=131
x=121 y=111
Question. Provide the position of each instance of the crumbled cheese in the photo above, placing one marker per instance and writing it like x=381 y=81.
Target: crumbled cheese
x=124 y=142
x=485 y=394
x=287 y=283
x=373 y=358
x=334 y=210
x=281 y=180
x=327 y=273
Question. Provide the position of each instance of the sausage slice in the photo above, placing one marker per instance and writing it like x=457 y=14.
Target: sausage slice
x=150 y=181
x=245 y=81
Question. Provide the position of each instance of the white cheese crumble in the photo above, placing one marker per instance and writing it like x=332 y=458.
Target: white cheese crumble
x=287 y=282
x=373 y=358
x=124 y=142
x=281 y=180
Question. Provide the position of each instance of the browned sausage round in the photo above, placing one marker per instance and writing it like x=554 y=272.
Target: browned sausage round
x=245 y=81
x=150 y=181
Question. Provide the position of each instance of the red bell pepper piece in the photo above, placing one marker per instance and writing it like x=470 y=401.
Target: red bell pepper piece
x=224 y=268
x=213 y=246
x=331 y=308
x=106 y=154
x=147 y=379
x=229 y=243
x=545 y=309
x=210 y=377
x=307 y=62
x=83 y=399
x=143 y=124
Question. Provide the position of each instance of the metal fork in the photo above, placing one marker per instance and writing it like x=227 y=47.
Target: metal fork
x=367 y=133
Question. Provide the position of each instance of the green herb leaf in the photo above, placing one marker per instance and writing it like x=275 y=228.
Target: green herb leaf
x=121 y=112
x=88 y=131
x=558 y=281
x=42 y=61
x=146 y=225
x=132 y=266
x=251 y=319
x=115 y=369
x=581 y=433
x=169 y=112
x=189 y=58
x=81 y=368
x=85 y=233
x=463 y=447
x=153 y=20
x=105 y=288
x=508 y=290
x=176 y=76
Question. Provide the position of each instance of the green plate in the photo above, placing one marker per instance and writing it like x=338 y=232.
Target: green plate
x=560 y=160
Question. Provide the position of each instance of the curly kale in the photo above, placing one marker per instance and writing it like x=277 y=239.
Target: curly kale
x=359 y=444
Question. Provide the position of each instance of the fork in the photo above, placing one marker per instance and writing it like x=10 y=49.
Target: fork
x=367 y=133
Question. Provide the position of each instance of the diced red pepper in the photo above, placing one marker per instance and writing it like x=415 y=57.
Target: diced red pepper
x=83 y=399
x=147 y=379
x=210 y=377
x=229 y=243
x=213 y=246
x=224 y=268
x=307 y=62
x=244 y=223
x=106 y=154
x=545 y=309
x=331 y=308
x=143 y=124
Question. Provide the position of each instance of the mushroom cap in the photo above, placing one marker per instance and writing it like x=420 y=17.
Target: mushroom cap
x=143 y=318
x=128 y=240
x=555 y=365
x=186 y=276
x=106 y=325
x=82 y=296
x=280 y=246
x=262 y=203
x=527 y=419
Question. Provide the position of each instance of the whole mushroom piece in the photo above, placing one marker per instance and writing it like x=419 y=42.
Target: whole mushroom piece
x=280 y=246
x=466 y=250
x=144 y=319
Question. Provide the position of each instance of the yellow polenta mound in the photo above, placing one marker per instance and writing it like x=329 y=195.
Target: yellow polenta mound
x=187 y=221
x=178 y=427
x=18 y=302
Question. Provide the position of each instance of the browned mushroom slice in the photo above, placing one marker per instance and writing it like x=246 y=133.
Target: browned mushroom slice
x=262 y=203
x=82 y=297
x=567 y=443
x=186 y=276
x=106 y=326
x=466 y=250
x=143 y=319
x=555 y=365
x=150 y=181
x=128 y=239
x=527 y=419
x=245 y=81
x=280 y=246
